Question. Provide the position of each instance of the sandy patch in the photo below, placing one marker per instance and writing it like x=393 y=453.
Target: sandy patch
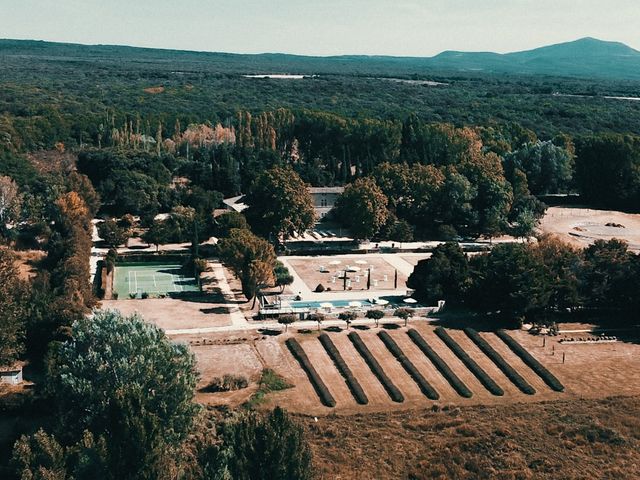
x=582 y=226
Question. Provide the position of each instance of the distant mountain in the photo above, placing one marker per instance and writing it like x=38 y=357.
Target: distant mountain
x=586 y=57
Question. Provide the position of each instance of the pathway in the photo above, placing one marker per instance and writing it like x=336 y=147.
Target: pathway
x=237 y=317
x=398 y=263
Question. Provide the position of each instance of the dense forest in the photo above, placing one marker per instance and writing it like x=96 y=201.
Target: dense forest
x=126 y=133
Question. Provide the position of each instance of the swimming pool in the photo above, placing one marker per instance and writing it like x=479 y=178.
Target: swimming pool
x=393 y=301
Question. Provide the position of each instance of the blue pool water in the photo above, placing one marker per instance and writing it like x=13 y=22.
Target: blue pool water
x=345 y=303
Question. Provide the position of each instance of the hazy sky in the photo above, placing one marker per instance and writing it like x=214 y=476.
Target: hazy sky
x=323 y=27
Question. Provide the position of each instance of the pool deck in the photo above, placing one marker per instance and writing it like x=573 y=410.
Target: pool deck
x=299 y=287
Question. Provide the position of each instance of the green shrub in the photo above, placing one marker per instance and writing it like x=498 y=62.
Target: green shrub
x=348 y=316
x=286 y=320
x=425 y=386
x=269 y=382
x=226 y=383
x=343 y=368
x=531 y=362
x=375 y=367
x=321 y=389
x=374 y=314
x=457 y=384
x=469 y=362
x=500 y=362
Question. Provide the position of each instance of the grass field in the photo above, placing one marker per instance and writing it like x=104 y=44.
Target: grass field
x=579 y=439
x=151 y=278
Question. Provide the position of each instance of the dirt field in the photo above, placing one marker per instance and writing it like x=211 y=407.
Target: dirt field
x=582 y=226
x=590 y=370
x=27 y=261
x=308 y=270
x=172 y=313
x=580 y=439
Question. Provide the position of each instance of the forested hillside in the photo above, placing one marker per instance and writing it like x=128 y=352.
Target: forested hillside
x=63 y=93
x=155 y=130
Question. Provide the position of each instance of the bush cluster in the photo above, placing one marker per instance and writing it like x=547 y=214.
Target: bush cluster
x=486 y=381
x=227 y=383
x=425 y=386
x=500 y=362
x=376 y=368
x=319 y=386
x=457 y=384
x=343 y=368
x=531 y=362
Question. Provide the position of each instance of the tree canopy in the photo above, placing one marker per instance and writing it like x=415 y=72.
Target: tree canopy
x=279 y=204
x=123 y=381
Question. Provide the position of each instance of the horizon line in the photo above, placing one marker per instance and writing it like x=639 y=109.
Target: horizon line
x=168 y=49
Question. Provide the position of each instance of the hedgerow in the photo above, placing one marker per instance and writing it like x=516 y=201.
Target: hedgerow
x=500 y=362
x=319 y=386
x=457 y=384
x=486 y=381
x=343 y=368
x=397 y=352
x=375 y=367
x=531 y=362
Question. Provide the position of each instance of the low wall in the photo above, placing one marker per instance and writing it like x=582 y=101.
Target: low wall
x=152 y=257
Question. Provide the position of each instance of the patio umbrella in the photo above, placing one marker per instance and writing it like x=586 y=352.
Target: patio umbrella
x=326 y=305
x=382 y=302
x=355 y=304
x=410 y=300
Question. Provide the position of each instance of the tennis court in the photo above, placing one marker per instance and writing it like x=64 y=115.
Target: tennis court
x=151 y=278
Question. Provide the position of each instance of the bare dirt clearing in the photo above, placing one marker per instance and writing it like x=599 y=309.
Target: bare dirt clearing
x=174 y=313
x=583 y=226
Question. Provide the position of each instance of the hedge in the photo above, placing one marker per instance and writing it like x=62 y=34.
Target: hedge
x=531 y=362
x=457 y=384
x=319 y=386
x=500 y=362
x=375 y=367
x=486 y=381
x=343 y=368
x=397 y=352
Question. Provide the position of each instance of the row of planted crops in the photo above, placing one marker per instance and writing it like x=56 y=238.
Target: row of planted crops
x=430 y=353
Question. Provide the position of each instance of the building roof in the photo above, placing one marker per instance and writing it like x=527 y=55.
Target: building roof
x=236 y=203
x=11 y=369
x=338 y=190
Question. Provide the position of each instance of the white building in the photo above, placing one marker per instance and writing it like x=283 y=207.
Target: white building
x=11 y=375
x=324 y=199
x=235 y=204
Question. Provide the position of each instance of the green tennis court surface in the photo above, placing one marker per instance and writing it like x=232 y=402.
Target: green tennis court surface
x=151 y=278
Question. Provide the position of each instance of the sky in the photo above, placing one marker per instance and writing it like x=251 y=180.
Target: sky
x=323 y=27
